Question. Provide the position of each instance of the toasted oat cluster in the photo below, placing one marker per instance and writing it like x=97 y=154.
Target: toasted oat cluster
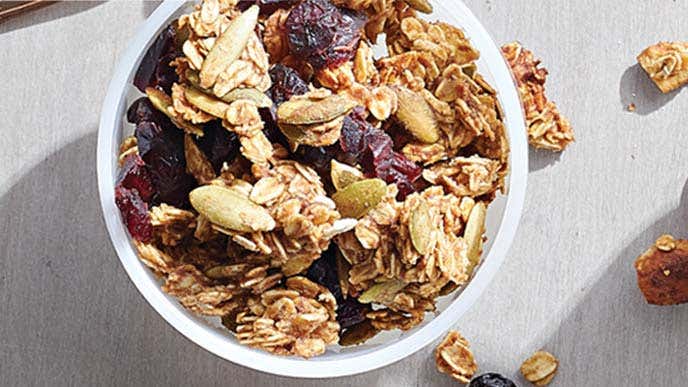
x=663 y=271
x=547 y=128
x=284 y=179
x=667 y=64
x=454 y=358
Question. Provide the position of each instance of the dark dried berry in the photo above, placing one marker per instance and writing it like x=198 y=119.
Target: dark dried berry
x=267 y=7
x=134 y=213
x=324 y=271
x=322 y=34
x=351 y=312
x=219 y=144
x=134 y=175
x=155 y=69
x=162 y=149
x=142 y=110
x=286 y=83
x=491 y=380
x=318 y=158
x=399 y=170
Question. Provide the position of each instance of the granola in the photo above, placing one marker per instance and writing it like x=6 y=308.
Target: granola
x=540 y=368
x=547 y=128
x=319 y=203
x=667 y=64
x=454 y=358
x=663 y=271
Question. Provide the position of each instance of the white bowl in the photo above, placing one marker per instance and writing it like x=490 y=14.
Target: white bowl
x=502 y=220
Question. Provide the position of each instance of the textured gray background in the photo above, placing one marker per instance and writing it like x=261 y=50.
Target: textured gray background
x=70 y=316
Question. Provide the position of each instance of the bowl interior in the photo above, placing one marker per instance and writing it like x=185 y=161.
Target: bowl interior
x=385 y=348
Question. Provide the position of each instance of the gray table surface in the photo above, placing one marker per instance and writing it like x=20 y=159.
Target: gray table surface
x=70 y=316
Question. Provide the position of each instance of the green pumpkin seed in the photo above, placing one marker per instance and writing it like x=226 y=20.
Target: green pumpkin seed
x=230 y=210
x=228 y=47
x=416 y=116
x=358 y=198
x=421 y=228
x=163 y=102
x=343 y=175
x=382 y=292
x=475 y=227
x=310 y=112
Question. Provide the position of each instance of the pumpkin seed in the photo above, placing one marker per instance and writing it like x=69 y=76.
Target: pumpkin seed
x=421 y=228
x=205 y=102
x=382 y=292
x=417 y=116
x=229 y=46
x=343 y=175
x=358 y=198
x=163 y=102
x=251 y=94
x=230 y=210
x=473 y=235
x=310 y=112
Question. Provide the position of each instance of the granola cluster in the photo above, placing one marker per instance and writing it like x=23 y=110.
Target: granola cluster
x=667 y=64
x=453 y=357
x=283 y=178
x=547 y=128
x=662 y=271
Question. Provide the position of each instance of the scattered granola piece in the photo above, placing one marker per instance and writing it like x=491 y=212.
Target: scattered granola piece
x=663 y=271
x=631 y=107
x=540 y=368
x=547 y=128
x=667 y=64
x=454 y=358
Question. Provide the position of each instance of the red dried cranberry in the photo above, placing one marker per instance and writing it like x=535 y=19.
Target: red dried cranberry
x=219 y=144
x=286 y=83
x=134 y=175
x=322 y=34
x=134 y=213
x=373 y=149
x=267 y=7
x=162 y=149
x=154 y=69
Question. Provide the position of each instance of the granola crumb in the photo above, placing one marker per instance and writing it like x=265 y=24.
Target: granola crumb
x=540 y=368
x=454 y=358
x=663 y=271
x=667 y=64
x=547 y=128
x=631 y=107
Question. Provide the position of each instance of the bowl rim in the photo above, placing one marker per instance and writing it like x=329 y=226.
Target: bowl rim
x=208 y=337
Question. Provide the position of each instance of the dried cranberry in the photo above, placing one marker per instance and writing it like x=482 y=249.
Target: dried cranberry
x=286 y=83
x=491 y=380
x=134 y=213
x=373 y=149
x=322 y=34
x=162 y=149
x=219 y=144
x=155 y=69
x=267 y=7
x=134 y=175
